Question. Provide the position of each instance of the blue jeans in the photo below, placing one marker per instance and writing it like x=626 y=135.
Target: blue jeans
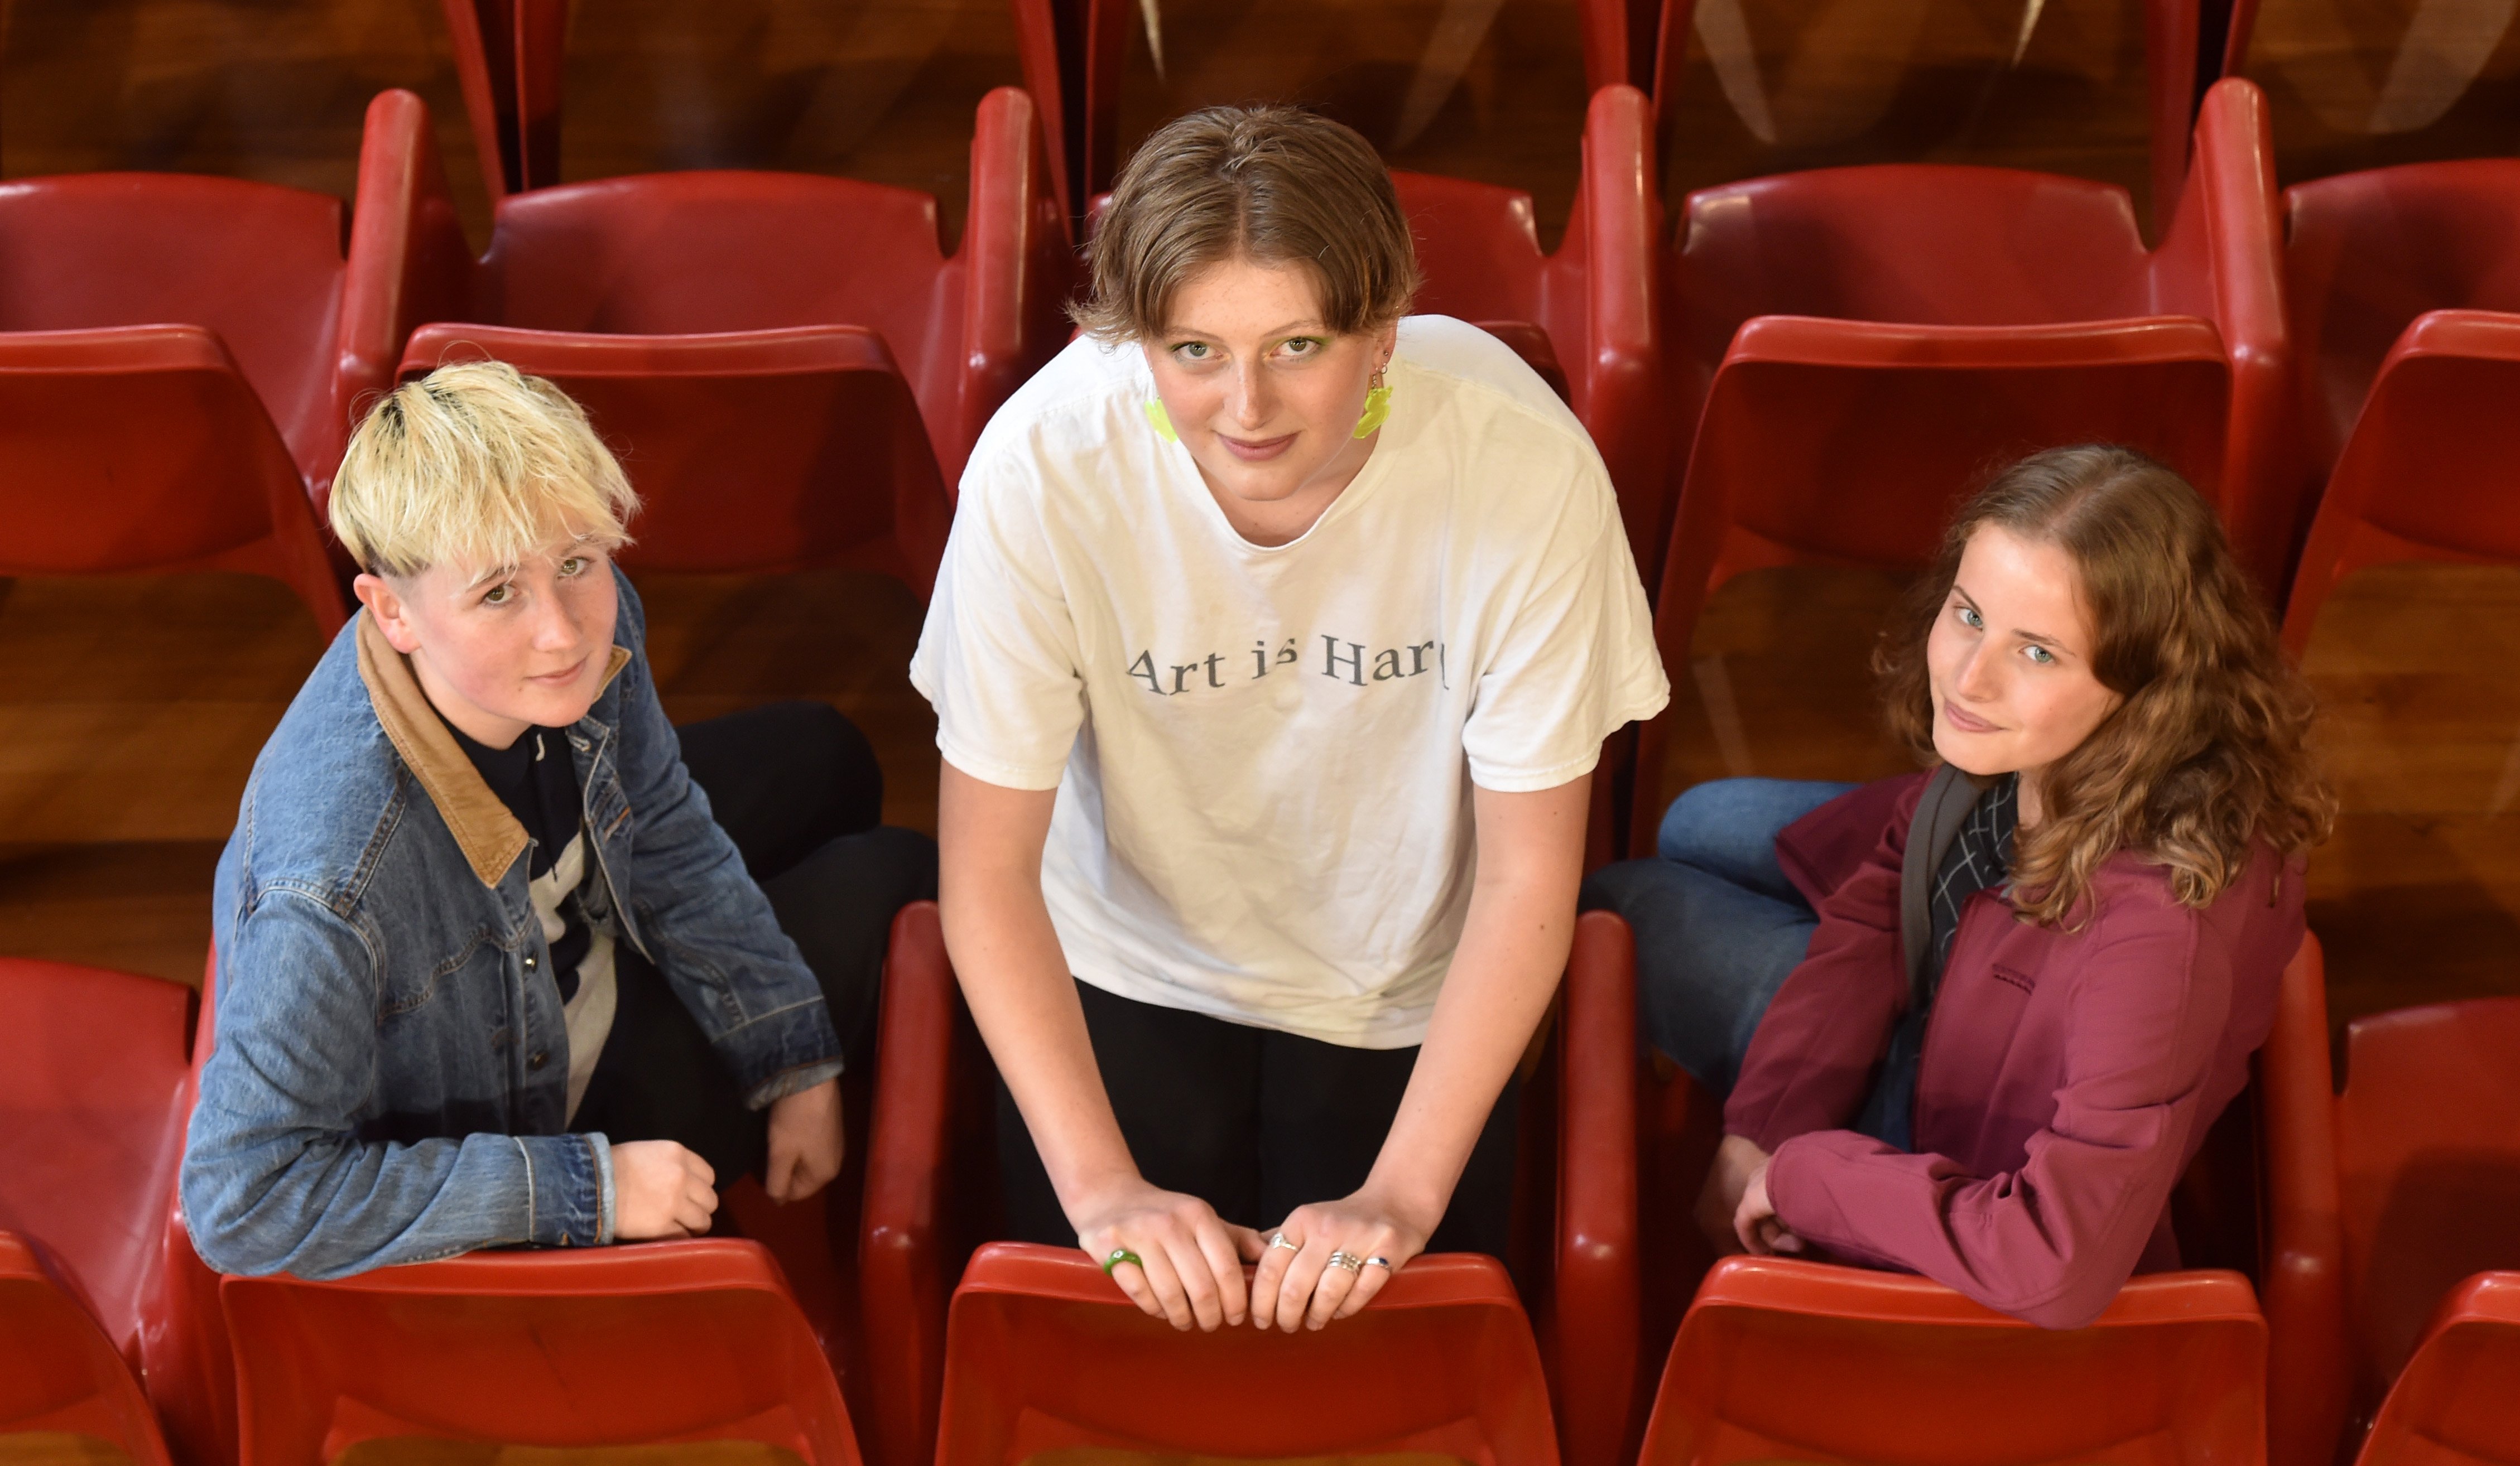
x=1719 y=928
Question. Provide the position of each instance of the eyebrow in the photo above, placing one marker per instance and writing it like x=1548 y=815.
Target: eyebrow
x=1304 y=327
x=2035 y=637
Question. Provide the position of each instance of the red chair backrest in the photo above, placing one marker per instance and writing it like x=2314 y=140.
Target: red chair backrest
x=1786 y=1360
x=91 y=1122
x=671 y=253
x=617 y=1346
x=59 y=1374
x=257 y=266
x=2367 y=253
x=2459 y=1397
x=758 y=451
x=2428 y=1164
x=1044 y=1353
x=2426 y=475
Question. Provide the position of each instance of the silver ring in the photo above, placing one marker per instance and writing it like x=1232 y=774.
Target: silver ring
x=1383 y=1262
x=1349 y=1261
x=1279 y=1240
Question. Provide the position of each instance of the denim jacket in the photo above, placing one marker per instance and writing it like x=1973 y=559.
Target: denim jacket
x=391 y=1072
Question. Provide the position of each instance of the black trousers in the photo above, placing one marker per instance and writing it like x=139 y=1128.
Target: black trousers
x=1254 y=1122
x=797 y=789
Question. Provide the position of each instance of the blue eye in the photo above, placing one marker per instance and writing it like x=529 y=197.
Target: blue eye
x=1969 y=617
x=2041 y=655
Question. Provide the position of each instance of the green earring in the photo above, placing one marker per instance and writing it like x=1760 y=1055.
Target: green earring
x=1378 y=408
x=1163 y=423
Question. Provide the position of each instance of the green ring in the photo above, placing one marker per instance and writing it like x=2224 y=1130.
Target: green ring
x=1121 y=1255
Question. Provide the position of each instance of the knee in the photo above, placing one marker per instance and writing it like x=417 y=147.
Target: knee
x=1705 y=817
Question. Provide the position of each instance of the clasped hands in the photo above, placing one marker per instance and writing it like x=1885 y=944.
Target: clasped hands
x=1734 y=1211
x=1189 y=1260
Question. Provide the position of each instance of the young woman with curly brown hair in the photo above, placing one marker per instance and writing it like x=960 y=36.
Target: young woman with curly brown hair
x=1973 y=1022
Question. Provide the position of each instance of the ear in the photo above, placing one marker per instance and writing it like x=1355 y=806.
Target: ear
x=1386 y=342
x=386 y=607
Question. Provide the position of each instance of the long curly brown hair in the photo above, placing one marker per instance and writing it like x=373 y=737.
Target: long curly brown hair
x=2207 y=755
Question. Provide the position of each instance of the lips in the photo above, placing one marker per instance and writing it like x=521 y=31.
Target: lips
x=562 y=677
x=1965 y=721
x=1256 y=451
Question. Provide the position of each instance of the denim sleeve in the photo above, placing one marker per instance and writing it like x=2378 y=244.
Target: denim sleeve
x=707 y=924
x=276 y=1178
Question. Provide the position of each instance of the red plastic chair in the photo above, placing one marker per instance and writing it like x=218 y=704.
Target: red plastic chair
x=91 y=1073
x=1784 y=1359
x=1972 y=95
x=673 y=1343
x=166 y=346
x=789 y=369
x=2405 y=301
x=1585 y=314
x=2384 y=1196
x=931 y=1191
x=59 y=1373
x=1861 y=346
x=1047 y=1355
x=2459 y=1397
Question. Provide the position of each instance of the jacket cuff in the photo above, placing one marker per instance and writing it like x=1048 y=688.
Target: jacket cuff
x=770 y=1053
x=568 y=1179
x=794 y=1080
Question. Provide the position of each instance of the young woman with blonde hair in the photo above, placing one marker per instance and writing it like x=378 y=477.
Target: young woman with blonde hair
x=1974 y=1023
x=1272 y=654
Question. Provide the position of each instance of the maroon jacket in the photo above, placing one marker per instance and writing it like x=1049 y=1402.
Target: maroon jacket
x=2067 y=1078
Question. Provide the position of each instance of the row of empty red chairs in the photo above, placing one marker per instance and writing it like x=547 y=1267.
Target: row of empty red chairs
x=1809 y=370
x=2385 y=1326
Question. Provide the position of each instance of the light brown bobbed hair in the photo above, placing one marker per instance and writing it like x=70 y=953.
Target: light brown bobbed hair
x=2208 y=753
x=1272 y=184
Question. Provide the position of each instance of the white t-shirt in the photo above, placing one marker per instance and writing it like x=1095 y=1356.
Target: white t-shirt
x=1264 y=754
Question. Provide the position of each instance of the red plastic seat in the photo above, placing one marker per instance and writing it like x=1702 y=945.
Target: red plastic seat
x=2458 y=1399
x=166 y=348
x=622 y=1346
x=2404 y=291
x=1799 y=86
x=1587 y=312
x=1784 y=1360
x=1859 y=347
x=931 y=1187
x=59 y=1373
x=1046 y=1354
x=2384 y=1196
x=91 y=1123
x=789 y=369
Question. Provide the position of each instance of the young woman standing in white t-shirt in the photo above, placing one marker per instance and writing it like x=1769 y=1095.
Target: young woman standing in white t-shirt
x=1272 y=656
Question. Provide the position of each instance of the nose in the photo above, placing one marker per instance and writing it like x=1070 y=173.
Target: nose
x=1979 y=678
x=1249 y=402
x=555 y=623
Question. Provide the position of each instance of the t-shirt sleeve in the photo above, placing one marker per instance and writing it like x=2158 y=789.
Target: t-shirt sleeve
x=1574 y=655
x=998 y=658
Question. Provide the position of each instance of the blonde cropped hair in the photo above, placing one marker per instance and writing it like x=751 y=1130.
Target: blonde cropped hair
x=475 y=465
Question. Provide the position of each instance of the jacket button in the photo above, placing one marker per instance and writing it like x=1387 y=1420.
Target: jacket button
x=536 y=1062
x=529 y=965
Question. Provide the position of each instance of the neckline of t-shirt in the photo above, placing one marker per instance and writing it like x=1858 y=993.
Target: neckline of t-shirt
x=1365 y=478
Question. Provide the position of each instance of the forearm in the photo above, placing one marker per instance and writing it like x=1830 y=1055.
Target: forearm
x=1514 y=941
x=1016 y=979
